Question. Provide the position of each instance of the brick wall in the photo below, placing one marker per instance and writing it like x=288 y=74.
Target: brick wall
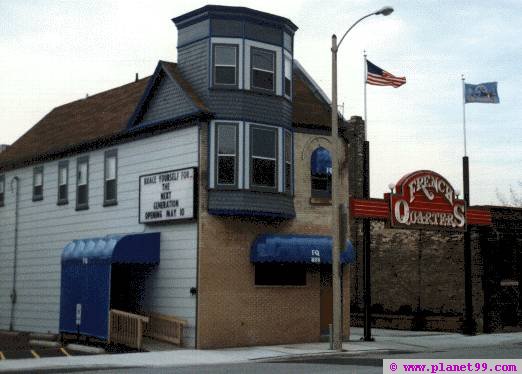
x=232 y=311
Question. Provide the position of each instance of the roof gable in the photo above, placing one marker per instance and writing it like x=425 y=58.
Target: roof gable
x=167 y=97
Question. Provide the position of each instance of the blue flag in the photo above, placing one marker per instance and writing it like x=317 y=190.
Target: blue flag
x=481 y=93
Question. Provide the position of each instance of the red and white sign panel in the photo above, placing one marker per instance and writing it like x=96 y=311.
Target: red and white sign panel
x=426 y=200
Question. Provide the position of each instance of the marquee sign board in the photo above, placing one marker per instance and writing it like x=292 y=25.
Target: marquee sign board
x=426 y=200
x=167 y=196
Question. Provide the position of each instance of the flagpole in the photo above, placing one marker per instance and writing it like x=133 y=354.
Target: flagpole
x=464 y=113
x=365 y=113
x=469 y=323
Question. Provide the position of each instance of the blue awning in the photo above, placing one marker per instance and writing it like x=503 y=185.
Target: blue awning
x=307 y=249
x=124 y=249
x=86 y=277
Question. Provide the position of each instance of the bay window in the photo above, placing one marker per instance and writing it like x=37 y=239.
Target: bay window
x=288 y=161
x=226 y=157
x=263 y=157
x=225 y=65
x=263 y=69
x=288 y=77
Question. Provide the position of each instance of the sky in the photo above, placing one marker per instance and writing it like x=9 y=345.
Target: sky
x=53 y=52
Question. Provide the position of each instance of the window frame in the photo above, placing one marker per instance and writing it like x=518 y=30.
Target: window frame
x=38 y=170
x=214 y=65
x=79 y=161
x=2 y=193
x=112 y=153
x=253 y=186
x=60 y=199
x=274 y=71
x=217 y=185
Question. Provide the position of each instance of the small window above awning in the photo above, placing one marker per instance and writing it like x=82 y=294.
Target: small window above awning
x=132 y=248
x=306 y=249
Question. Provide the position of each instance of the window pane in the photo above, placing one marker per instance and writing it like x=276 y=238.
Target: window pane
x=225 y=75
x=288 y=68
x=225 y=55
x=262 y=59
x=280 y=274
x=263 y=172
x=38 y=190
x=264 y=143
x=288 y=176
x=226 y=169
x=263 y=79
x=2 y=186
x=227 y=139
x=288 y=147
x=111 y=168
x=82 y=195
x=82 y=173
x=110 y=190
x=38 y=178
x=63 y=176
x=62 y=192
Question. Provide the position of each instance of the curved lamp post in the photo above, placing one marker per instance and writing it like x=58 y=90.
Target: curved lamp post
x=336 y=245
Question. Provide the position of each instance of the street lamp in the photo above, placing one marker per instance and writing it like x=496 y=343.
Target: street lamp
x=336 y=245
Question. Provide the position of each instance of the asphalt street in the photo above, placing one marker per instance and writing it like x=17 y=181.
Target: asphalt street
x=342 y=363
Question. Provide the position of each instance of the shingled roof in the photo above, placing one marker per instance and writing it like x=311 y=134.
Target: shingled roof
x=104 y=115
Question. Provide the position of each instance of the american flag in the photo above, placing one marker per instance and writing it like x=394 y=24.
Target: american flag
x=379 y=77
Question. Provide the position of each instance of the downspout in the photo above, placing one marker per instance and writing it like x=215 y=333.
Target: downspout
x=15 y=250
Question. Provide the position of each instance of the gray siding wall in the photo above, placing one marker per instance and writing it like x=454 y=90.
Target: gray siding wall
x=248 y=106
x=45 y=228
x=193 y=62
x=168 y=101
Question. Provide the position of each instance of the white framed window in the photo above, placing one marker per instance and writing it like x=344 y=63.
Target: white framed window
x=110 y=186
x=38 y=183
x=2 y=190
x=63 y=182
x=263 y=67
x=288 y=162
x=263 y=157
x=288 y=77
x=82 y=183
x=226 y=154
x=225 y=69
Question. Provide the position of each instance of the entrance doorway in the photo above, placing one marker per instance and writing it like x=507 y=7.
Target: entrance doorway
x=326 y=299
x=128 y=286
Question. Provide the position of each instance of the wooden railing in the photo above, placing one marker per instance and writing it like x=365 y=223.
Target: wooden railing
x=126 y=328
x=165 y=328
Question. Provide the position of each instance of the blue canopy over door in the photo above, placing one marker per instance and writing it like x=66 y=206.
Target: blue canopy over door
x=289 y=248
x=86 y=278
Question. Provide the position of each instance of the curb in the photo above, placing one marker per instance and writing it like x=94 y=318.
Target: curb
x=85 y=348
x=301 y=356
x=45 y=343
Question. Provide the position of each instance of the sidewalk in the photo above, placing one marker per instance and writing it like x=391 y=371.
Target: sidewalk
x=385 y=340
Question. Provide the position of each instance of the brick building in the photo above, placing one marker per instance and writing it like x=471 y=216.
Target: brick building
x=202 y=191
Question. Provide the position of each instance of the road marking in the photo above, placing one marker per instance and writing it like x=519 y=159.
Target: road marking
x=65 y=352
x=34 y=354
x=2 y=357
